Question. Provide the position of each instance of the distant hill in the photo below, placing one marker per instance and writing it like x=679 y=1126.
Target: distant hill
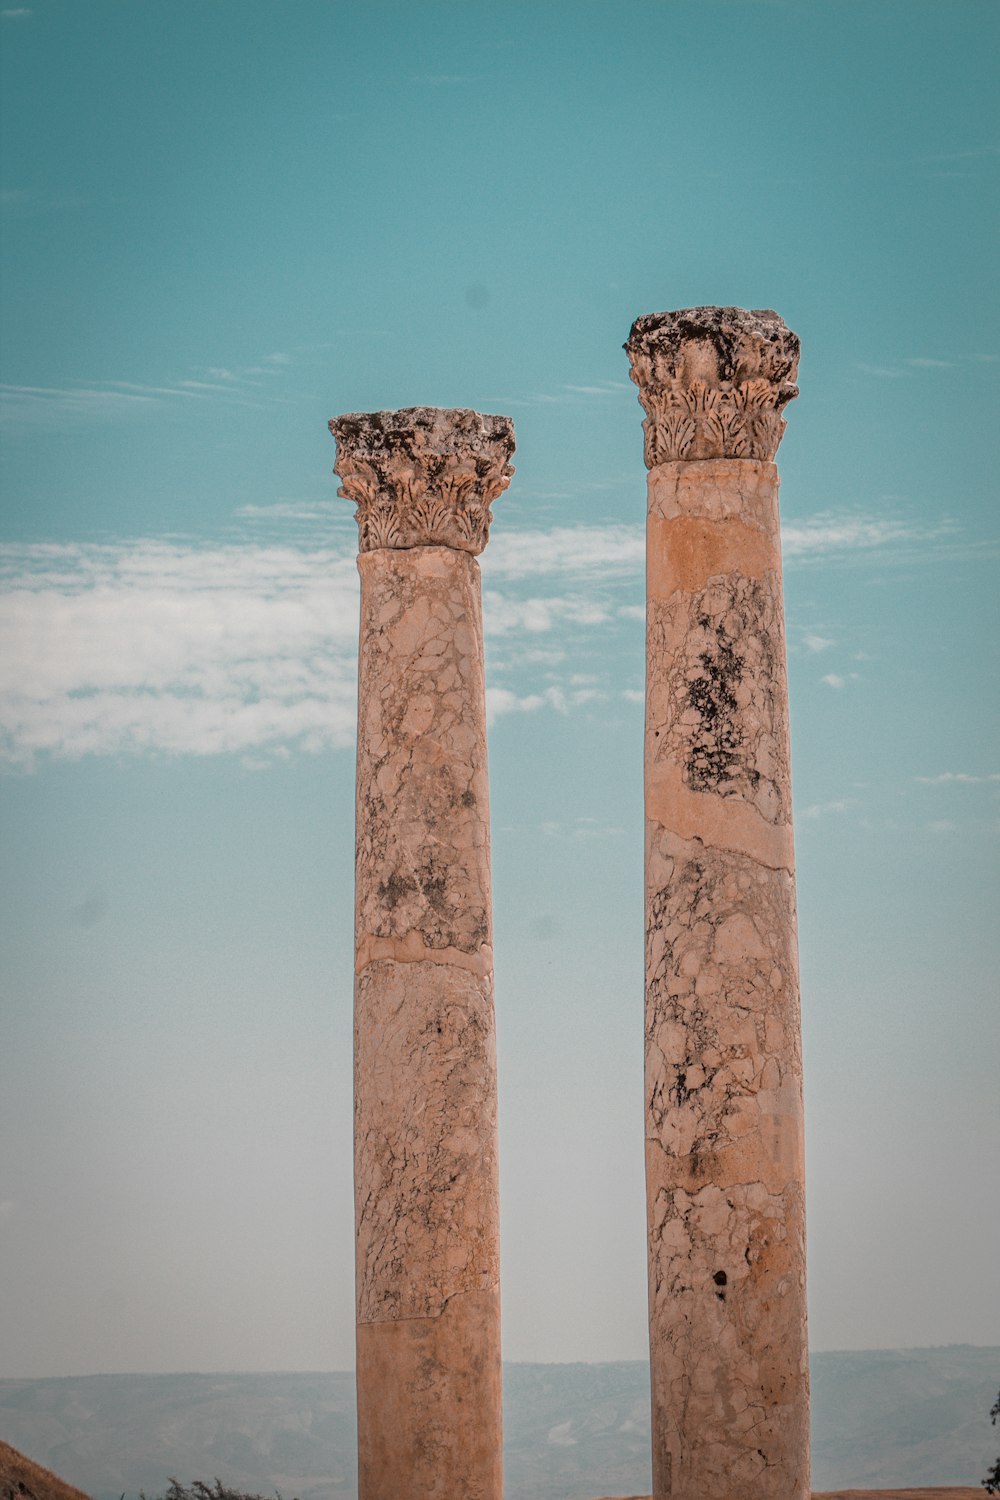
x=904 y=1417
x=880 y=1419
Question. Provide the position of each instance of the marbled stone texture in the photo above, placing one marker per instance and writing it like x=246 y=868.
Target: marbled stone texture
x=425 y=1070
x=434 y=1430
x=724 y=1163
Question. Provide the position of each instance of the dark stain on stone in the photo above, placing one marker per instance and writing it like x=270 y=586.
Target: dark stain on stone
x=716 y=743
x=410 y=432
x=395 y=888
x=743 y=341
x=433 y=887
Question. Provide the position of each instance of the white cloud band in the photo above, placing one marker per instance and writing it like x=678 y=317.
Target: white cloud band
x=165 y=646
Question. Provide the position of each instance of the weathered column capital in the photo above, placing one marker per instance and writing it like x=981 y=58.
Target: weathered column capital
x=424 y=476
x=713 y=381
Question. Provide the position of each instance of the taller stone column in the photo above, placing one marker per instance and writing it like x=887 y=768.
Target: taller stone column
x=724 y=1153
x=426 y=1194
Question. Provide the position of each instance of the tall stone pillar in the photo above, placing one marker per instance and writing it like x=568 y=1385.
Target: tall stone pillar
x=426 y=1195
x=724 y=1154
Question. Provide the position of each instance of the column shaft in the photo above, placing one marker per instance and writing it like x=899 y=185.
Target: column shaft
x=427 y=1211
x=724 y=1153
x=426 y=1178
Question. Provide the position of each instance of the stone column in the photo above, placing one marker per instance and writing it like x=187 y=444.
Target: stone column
x=426 y=1196
x=724 y=1155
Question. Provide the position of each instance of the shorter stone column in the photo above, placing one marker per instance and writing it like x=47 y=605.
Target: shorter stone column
x=425 y=1135
x=724 y=1158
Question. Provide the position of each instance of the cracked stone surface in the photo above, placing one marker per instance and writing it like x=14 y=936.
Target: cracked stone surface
x=425 y=1139
x=724 y=1155
x=426 y=1178
x=429 y=1428
x=423 y=874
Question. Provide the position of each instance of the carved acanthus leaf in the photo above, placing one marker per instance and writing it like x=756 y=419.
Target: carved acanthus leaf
x=423 y=476
x=712 y=382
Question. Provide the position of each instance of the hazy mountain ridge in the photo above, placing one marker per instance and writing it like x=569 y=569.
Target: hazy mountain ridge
x=880 y=1418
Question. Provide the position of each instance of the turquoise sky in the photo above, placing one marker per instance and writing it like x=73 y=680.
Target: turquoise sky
x=225 y=221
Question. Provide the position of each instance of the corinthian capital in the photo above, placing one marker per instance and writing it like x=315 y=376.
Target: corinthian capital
x=712 y=381
x=423 y=476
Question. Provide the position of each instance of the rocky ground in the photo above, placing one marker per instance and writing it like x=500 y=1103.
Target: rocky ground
x=20 y=1479
x=934 y=1494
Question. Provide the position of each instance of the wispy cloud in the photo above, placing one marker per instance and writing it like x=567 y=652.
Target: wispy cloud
x=152 y=391
x=506 y=615
x=816 y=810
x=903 y=367
x=834 y=680
x=817 y=643
x=603 y=388
x=501 y=700
x=267 y=364
x=32 y=405
x=35 y=405
x=45 y=406
x=833 y=534
x=322 y=512
x=608 y=551
x=274 y=364
x=972 y=153
x=886 y=372
x=570 y=395
x=198 y=386
x=960 y=778
x=16 y=12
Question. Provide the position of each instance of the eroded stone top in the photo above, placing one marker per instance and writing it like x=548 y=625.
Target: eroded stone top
x=423 y=476
x=713 y=381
